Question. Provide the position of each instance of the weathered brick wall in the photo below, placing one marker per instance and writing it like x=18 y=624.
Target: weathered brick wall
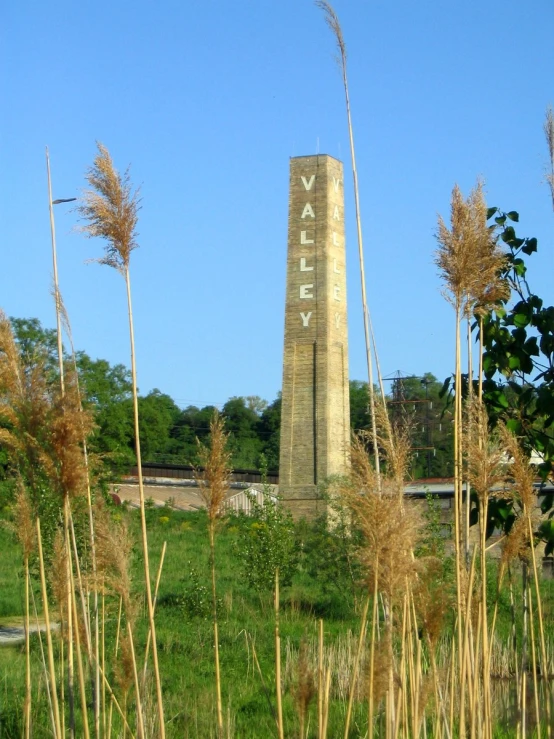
x=315 y=421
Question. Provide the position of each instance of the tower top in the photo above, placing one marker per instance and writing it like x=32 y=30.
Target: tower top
x=313 y=156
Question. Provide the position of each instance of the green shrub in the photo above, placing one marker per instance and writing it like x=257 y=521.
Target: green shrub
x=265 y=542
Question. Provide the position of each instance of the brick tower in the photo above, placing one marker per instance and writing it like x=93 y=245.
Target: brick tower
x=315 y=416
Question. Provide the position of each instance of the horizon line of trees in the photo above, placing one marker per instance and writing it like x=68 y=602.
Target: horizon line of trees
x=170 y=434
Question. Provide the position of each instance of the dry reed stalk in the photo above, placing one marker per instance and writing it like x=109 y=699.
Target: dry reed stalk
x=320 y=678
x=452 y=685
x=468 y=260
x=70 y=663
x=278 y=686
x=485 y=471
x=304 y=690
x=110 y=210
x=116 y=648
x=524 y=489
x=361 y=640
x=549 y=133
x=55 y=273
x=102 y=666
x=80 y=670
x=474 y=695
x=374 y=618
x=115 y=702
x=465 y=655
x=326 y=703
x=140 y=718
x=402 y=705
x=534 y=662
x=81 y=588
x=156 y=587
x=44 y=666
x=85 y=430
x=213 y=482
x=50 y=650
x=333 y=23
x=26 y=535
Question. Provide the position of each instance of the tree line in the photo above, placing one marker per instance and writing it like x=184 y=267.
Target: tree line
x=170 y=434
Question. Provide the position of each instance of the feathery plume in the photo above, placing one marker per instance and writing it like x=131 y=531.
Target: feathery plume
x=549 y=133
x=215 y=461
x=110 y=210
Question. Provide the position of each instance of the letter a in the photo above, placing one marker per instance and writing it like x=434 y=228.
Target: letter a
x=306 y=319
x=335 y=213
x=308 y=183
x=308 y=211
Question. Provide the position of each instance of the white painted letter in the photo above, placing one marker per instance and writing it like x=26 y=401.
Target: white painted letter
x=303 y=239
x=306 y=319
x=308 y=183
x=303 y=267
x=308 y=211
x=337 y=320
x=336 y=291
x=335 y=213
x=305 y=293
x=335 y=239
x=336 y=270
x=336 y=184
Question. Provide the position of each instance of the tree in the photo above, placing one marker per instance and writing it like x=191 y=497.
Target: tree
x=519 y=367
x=158 y=414
x=107 y=390
x=244 y=442
x=269 y=428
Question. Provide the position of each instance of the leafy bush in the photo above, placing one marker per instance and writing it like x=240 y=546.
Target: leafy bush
x=329 y=547
x=195 y=601
x=265 y=543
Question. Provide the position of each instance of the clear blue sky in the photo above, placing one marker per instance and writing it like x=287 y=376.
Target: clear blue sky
x=207 y=100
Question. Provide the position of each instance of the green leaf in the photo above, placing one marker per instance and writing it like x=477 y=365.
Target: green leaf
x=530 y=246
x=513 y=425
x=521 y=320
x=445 y=387
x=513 y=215
x=519 y=267
x=501 y=220
x=508 y=235
x=491 y=212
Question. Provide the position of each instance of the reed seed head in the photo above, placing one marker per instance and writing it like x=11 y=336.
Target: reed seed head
x=215 y=459
x=390 y=528
x=549 y=133
x=110 y=209
x=24 y=520
x=332 y=21
x=484 y=452
x=469 y=258
x=304 y=690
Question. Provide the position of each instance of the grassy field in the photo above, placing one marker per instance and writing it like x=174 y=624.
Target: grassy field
x=185 y=639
